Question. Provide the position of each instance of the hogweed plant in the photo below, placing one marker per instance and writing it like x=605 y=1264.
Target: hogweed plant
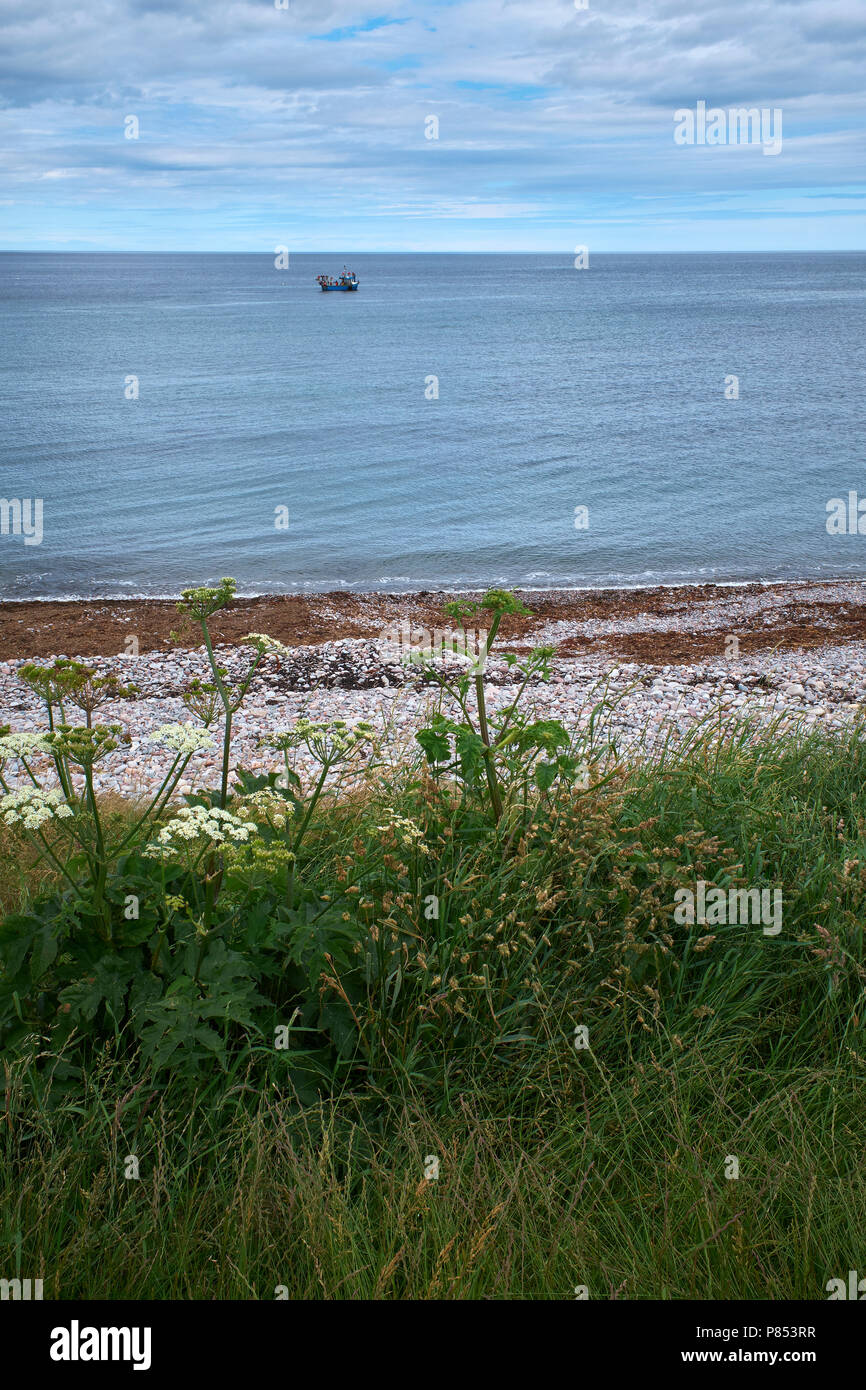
x=169 y=917
x=71 y=813
x=331 y=744
x=502 y=751
x=199 y=605
x=71 y=683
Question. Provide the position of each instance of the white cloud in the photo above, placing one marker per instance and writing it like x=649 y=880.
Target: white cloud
x=542 y=108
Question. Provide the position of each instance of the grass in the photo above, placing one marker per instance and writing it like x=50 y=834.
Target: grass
x=558 y=1167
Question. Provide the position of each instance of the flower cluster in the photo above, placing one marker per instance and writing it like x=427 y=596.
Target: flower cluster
x=203 y=699
x=503 y=601
x=406 y=831
x=256 y=859
x=21 y=745
x=84 y=746
x=328 y=741
x=266 y=645
x=194 y=827
x=183 y=738
x=54 y=683
x=203 y=602
x=31 y=807
x=265 y=805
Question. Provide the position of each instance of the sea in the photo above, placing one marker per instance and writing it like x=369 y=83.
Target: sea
x=461 y=421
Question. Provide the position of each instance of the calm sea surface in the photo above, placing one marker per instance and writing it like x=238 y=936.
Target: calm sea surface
x=557 y=388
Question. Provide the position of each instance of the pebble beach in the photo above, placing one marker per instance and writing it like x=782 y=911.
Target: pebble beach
x=792 y=653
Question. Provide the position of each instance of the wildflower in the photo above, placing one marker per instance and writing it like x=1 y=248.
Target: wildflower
x=88 y=691
x=265 y=805
x=203 y=699
x=503 y=601
x=254 y=856
x=31 y=807
x=460 y=609
x=194 y=827
x=201 y=603
x=85 y=746
x=55 y=683
x=266 y=645
x=328 y=741
x=183 y=738
x=405 y=830
x=22 y=745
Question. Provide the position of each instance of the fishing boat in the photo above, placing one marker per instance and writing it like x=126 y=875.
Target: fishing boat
x=347 y=281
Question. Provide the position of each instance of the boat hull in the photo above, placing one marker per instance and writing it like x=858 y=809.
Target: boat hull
x=344 y=289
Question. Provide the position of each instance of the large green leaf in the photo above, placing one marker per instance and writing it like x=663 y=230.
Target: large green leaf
x=436 y=744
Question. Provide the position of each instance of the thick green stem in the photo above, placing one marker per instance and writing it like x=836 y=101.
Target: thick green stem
x=27 y=769
x=227 y=749
x=229 y=709
x=154 y=960
x=512 y=709
x=326 y=767
x=101 y=863
x=290 y=882
x=62 y=772
x=495 y=799
x=154 y=808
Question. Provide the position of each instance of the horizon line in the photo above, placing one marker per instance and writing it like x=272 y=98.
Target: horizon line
x=385 y=251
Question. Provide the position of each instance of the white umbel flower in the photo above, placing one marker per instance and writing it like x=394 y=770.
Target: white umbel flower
x=22 y=745
x=31 y=807
x=265 y=805
x=194 y=826
x=183 y=738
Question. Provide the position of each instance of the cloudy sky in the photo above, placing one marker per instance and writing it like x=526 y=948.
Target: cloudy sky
x=306 y=125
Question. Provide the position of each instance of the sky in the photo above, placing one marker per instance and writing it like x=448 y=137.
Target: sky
x=309 y=124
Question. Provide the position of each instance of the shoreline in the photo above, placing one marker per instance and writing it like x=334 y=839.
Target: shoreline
x=311 y=593
x=656 y=625
x=668 y=659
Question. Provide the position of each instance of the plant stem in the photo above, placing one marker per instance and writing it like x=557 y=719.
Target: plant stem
x=495 y=798
x=154 y=802
x=227 y=705
x=290 y=885
x=101 y=864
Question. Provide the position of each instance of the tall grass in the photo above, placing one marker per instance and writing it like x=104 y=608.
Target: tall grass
x=558 y=1167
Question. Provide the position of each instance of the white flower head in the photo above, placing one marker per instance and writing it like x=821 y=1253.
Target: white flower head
x=183 y=738
x=265 y=805
x=406 y=831
x=31 y=807
x=194 y=827
x=22 y=745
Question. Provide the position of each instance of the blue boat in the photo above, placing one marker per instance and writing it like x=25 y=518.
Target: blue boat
x=347 y=281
